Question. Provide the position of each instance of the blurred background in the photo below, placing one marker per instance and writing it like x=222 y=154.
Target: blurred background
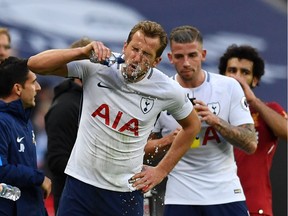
x=37 y=25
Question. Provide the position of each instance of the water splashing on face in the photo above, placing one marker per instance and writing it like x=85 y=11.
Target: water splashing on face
x=134 y=72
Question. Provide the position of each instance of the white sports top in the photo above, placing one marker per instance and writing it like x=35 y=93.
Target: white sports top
x=206 y=174
x=116 y=120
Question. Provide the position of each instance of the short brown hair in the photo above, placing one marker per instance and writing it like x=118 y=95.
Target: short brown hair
x=153 y=30
x=185 y=34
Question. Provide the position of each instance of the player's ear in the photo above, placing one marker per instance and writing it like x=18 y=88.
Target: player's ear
x=170 y=57
x=17 y=89
x=255 y=82
x=156 y=61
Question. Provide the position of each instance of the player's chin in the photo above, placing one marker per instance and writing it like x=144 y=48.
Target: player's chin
x=33 y=103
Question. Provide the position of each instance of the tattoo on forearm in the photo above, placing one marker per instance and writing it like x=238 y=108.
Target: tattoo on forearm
x=243 y=137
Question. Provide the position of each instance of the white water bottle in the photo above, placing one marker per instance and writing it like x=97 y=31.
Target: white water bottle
x=10 y=192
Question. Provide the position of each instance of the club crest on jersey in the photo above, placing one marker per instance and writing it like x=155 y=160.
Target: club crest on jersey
x=214 y=107
x=146 y=104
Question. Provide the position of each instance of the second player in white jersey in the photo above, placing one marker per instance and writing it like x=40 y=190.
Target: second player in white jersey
x=206 y=174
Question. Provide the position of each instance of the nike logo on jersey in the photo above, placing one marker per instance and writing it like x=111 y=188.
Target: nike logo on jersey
x=21 y=145
x=19 y=139
x=101 y=85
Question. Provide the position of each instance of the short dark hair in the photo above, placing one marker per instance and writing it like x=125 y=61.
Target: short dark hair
x=185 y=34
x=243 y=52
x=12 y=70
x=153 y=30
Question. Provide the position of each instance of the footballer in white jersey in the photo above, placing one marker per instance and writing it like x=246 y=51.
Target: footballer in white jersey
x=108 y=155
x=206 y=174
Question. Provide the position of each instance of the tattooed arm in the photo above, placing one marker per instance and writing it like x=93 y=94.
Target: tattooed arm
x=243 y=136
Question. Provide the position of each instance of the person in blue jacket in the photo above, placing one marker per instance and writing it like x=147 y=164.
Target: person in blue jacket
x=18 y=164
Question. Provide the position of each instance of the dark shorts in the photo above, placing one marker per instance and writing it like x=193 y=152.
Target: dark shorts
x=227 y=209
x=79 y=198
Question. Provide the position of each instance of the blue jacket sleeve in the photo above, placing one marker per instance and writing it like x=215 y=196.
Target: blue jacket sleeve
x=18 y=168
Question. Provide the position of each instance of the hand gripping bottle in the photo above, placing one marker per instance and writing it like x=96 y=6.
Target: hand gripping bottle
x=108 y=62
x=10 y=192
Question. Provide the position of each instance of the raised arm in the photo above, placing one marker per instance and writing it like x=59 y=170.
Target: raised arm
x=53 y=62
x=276 y=122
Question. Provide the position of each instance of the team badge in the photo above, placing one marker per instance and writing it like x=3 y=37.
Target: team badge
x=214 y=107
x=146 y=104
x=244 y=104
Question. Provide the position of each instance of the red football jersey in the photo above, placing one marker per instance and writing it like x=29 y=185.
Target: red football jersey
x=254 y=170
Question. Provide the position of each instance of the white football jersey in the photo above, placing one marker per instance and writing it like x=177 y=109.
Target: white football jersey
x=206 y=174
x=116 y=120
